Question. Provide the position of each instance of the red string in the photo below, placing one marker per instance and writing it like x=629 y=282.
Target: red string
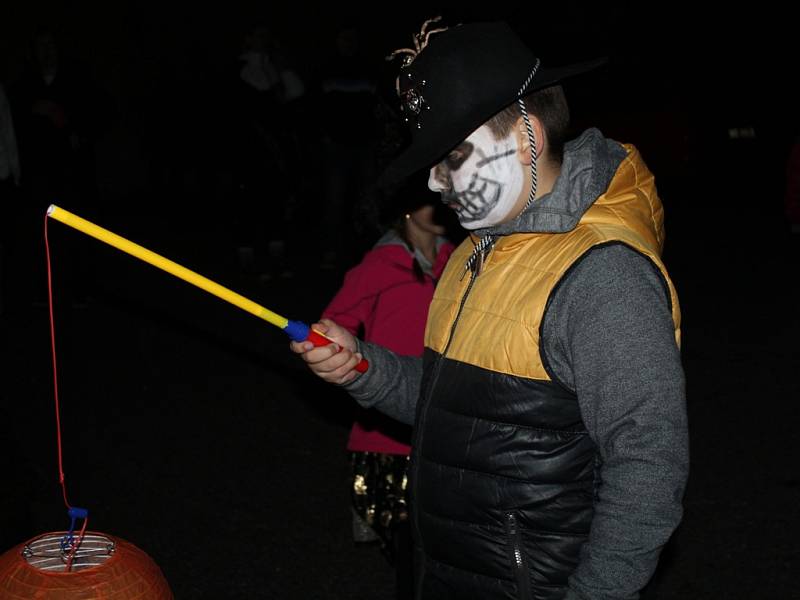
x=61 y=477
x=55 y=364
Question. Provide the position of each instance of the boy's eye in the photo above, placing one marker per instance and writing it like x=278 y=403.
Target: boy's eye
x=458 y=155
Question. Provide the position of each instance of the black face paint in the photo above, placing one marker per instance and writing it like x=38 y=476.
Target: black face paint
x=493 y=157
x=481 y=179
x=477 y=200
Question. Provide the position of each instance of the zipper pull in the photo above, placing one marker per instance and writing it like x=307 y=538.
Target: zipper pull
x=477 y=266
x=478 y=257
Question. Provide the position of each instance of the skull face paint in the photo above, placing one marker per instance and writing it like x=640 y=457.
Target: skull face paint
x=481 y=179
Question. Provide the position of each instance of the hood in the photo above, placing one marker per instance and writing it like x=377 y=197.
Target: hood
x=590 y=163
x=392 y=238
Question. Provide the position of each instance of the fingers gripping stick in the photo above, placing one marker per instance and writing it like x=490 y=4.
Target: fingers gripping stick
x=300 y=332
x=316 y=338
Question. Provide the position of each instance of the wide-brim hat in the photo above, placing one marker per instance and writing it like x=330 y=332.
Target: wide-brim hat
x=461 y=78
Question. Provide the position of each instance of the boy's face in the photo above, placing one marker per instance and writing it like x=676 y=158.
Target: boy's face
x=481 y=179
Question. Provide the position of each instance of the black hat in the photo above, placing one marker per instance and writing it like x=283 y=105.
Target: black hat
x=456 y=82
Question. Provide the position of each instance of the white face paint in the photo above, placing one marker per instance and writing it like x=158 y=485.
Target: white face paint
x=481 y=179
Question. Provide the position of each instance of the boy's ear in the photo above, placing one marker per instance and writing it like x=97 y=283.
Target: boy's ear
x=523 y=141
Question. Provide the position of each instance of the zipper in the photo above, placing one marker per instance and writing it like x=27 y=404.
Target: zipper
x=437 y=367
x=517 y=559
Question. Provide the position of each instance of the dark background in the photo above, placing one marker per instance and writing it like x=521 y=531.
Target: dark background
x=190 y=430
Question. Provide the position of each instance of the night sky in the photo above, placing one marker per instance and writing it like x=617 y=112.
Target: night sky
x=676 y=80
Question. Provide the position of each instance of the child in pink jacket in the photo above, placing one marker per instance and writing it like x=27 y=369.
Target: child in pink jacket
x=385 y=300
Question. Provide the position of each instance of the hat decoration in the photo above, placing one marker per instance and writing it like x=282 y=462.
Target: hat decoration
x=412 y=100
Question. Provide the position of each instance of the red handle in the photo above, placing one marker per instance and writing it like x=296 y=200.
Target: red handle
x=316 y=338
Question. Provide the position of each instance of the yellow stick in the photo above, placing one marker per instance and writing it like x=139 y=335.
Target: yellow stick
x=120 y=243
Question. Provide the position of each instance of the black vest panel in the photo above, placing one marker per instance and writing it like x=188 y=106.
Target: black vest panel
x=503 y=476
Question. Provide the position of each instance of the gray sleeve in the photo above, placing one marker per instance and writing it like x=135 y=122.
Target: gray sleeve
x=608 y=336
x=391 y=383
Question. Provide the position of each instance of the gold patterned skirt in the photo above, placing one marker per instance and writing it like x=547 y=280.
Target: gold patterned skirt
x=378 y=493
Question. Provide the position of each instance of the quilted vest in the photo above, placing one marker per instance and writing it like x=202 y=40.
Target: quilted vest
x=503 y=470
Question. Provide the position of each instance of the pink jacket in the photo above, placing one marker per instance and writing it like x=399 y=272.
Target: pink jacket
x=383 y=296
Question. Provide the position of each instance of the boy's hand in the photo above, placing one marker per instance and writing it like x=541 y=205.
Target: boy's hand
x=336 y=362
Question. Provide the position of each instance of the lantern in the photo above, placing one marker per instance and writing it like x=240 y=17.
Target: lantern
x=103 y=567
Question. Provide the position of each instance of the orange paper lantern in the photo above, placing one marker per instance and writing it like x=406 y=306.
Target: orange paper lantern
x=103 y=568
